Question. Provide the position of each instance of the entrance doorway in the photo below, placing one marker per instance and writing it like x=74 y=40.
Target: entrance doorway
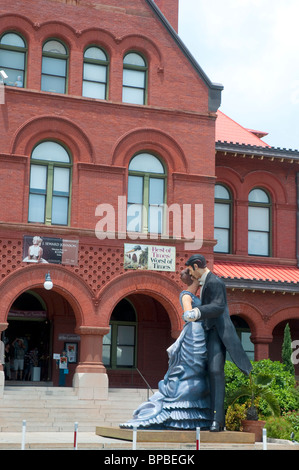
x=28 y=322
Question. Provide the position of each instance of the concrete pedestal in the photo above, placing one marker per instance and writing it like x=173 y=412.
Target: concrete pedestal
x=91 y=386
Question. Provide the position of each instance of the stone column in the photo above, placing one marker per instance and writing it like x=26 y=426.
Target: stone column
x=3 y=327
x=90 y=379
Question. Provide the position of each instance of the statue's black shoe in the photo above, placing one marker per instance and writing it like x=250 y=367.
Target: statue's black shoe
x=216 y=427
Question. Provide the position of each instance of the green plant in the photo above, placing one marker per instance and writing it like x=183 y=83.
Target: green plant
x=234 y=416
x=256 y=388
x=286 y=352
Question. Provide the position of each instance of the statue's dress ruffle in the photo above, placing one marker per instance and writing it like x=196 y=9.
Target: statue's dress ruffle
x=182 y=400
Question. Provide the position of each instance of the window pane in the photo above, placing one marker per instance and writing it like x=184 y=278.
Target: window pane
x=36 y=208
x=61 y=181
x=134 y=59
x=60 y=210
x=94 y=90
x=95 y=73
x=222 y=237
x=258 y=195
x=38 y=178
x=258 y=218
x=146 y=162
x=12 y=59
x=134 y=217
x=125 y=356
x=135 y=189
x=258 y=243
x=53 y=66
x=106 y=355
x=133 y=96
x=126 y=335
x=95 y=53
x=156 y=191
x=134 y=78
x=50 y=151
x=155 y=219
x=221 y=192
x=222 y=215
x=53 y=84
x=11 y=39
x=55 y=47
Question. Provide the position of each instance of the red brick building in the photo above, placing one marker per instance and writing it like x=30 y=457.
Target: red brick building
x=108 y=121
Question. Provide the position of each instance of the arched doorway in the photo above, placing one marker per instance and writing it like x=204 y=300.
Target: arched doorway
x=244 y=333
x=28 y=339
x=275 y=348
x=44 y=322
x=140 y=333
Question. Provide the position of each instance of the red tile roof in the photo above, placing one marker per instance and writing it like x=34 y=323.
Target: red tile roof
x=228 y=130
x=258 y=272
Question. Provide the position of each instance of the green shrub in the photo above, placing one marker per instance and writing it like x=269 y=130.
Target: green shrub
x=282 y=385
x=234 y=415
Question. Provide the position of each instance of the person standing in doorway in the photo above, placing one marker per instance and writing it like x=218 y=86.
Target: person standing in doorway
x=220 y=331
x=19 y=354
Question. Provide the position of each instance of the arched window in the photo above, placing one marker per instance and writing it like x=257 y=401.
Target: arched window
x=54 y=67
x=95 y=70
x=119 y=345
x=50 y=181
x=222 y=219
x=134 y=79
x=146 y=194
x=13 y=52
x=259 y=223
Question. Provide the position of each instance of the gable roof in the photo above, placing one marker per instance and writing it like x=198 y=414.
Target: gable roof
x=215 y=89
x=228 y=130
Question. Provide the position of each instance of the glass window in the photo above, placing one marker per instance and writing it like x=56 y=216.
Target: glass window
x=54 y=67
x=222 y=219
x=49 y=195
x=13 y=52
x=134 y=79
x=119 y=346
x=146 y=194
x=259 y=223
x=95 y=70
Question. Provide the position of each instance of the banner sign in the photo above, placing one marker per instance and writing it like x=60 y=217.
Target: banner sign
x=50 y=250
x=151 y=257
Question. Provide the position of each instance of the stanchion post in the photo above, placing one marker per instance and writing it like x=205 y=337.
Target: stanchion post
x=134 y=437
x=264 y=439
x=23 y=434
x=76 y=436
x=197 y=438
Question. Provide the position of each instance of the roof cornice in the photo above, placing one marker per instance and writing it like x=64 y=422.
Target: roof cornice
x=256 y=151
x=215 y=89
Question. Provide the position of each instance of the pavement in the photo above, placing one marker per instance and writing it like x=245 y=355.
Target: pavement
x=91 y=441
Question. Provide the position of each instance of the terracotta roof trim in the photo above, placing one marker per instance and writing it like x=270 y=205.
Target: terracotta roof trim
x=258 y=150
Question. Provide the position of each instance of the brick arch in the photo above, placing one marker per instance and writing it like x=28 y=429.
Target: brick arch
x=149 y=140
x=287 y=313
x=67 y=284
x=229 y=177
x=266 y=180
x=96 y=36
x=17 y=23
x=57 y=30
x=249 y=313
x=55 y=128
x=157 y=286
x=140 y=43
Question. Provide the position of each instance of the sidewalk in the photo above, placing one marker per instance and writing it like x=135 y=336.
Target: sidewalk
x=91 y=441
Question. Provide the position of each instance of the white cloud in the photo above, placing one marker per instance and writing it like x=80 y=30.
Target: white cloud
x=252 y=48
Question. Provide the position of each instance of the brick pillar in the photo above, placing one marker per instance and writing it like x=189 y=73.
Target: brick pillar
x=90 y=378
x=261 y=346
x=3 y=327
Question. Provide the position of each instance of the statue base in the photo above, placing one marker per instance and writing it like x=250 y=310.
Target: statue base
x=180 y=436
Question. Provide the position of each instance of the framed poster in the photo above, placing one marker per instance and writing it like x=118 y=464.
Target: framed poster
x=71 y=350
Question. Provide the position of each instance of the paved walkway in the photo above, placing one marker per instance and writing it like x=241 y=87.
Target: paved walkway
x=91 y=441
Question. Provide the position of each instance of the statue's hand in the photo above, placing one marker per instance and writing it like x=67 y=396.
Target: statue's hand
x=192 y=315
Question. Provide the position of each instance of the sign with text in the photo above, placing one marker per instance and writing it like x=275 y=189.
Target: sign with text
x=50 y=250
x=151 y=257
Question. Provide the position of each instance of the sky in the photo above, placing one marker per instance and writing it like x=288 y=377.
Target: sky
x=251 y=47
